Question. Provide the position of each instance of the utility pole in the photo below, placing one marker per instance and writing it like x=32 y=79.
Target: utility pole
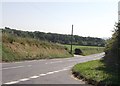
x=71 y=39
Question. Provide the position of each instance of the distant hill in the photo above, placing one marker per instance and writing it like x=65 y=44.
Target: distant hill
x=57 y=38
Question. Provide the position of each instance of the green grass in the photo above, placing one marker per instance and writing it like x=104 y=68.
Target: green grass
x=18 y=48
x=87 y=50
x=97 y=71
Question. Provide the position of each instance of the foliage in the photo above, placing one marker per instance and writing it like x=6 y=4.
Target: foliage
x=16 y=48
x=57 y=38
x=113 y=48
x=97 y=73
x=86 y=50
x=104 y=72
x=112 y=51
x=78 y=52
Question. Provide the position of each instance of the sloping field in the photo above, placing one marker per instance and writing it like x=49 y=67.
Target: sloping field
x=17 y=48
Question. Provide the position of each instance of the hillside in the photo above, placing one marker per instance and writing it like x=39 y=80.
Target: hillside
x=19 y=48
x=57 y=38
x=23 y=45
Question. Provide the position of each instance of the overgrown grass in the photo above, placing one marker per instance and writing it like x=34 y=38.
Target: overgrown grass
x=17 y=48
x=87 y=50
x=96 y=72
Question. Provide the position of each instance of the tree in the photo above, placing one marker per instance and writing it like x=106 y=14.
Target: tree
x=113 y=48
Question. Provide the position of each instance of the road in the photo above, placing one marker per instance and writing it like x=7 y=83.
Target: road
x=48 y=71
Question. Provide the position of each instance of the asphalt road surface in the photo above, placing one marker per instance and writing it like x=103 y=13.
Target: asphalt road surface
x=48 y=71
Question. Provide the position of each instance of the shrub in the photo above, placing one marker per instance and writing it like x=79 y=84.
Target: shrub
x=78 y=52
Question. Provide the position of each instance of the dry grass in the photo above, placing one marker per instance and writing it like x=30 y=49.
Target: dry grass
x=17 y=48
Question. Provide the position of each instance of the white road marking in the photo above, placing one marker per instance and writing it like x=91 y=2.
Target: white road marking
x=56 y=71
x=50 y=73
x=42 y=74
x=25 y=79
x=13 y=82
x=12 y=67
x=24 y=61
x=33 y=77
x=16 y=67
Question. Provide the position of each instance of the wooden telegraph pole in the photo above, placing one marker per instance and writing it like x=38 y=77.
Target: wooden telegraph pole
x=71 y=39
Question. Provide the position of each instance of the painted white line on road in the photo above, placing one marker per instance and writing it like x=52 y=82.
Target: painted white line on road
x=13 y=82
x=49 y=73
x=56 y=71
x=33 y=77
x=16 y=67
x=42 y=74
x=25 y=79
x=29 y=61
x=13 y=67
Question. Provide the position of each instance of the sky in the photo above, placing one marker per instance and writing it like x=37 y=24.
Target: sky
x=89 y=18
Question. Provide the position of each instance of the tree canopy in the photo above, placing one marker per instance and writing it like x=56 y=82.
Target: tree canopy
x=57 y=38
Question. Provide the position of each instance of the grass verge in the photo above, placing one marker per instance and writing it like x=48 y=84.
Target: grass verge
x=18 y=48
x=87 y=50
x=96 y=73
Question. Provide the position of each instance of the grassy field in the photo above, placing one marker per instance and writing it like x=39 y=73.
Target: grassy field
x=95 y=72
x=87 y=50
x=17 y=48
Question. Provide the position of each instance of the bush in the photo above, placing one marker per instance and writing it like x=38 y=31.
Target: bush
x=78 y=52
x=112 y=48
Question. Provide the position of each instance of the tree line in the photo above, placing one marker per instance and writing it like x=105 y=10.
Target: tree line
x=57 y=38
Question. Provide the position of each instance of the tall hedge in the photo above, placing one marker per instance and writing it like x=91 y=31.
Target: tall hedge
x=112 y=50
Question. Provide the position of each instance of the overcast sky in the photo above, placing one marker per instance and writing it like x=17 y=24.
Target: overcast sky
x=90 y=18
